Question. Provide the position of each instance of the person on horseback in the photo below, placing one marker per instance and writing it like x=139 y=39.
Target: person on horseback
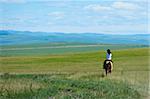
x=108 y=59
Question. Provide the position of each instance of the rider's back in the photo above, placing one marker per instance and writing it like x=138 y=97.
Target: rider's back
x=108 y=56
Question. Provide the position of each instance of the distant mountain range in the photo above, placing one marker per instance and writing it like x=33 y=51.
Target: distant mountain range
x=10 y=37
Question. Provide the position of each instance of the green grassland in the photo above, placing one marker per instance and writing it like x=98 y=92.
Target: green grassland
x=58 y=48
x=70 y=75
x=60 y=86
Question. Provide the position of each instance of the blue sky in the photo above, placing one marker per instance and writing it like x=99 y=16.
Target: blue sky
x=77 y=16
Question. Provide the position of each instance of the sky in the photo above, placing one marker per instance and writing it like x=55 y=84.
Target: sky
x=75 y=16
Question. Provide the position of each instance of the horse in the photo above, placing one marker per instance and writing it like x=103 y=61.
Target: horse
x=108 y=67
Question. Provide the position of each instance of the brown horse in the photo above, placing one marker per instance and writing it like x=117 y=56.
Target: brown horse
x=108 y=67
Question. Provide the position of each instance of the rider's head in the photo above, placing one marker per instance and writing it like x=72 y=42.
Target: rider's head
x=108 y=51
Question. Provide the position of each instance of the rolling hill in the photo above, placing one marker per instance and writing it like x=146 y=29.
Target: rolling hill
x=11 y=37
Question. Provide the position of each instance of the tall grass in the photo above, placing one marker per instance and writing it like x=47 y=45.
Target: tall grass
x=61 y=87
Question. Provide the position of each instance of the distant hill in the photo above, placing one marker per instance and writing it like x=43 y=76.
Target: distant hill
x=10 y=37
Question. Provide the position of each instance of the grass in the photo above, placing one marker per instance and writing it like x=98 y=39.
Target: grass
x=61 y=87
x=79 y=62
x=46 y=49
x=75 y=75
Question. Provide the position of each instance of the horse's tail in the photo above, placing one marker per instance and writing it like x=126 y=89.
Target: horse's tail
x=112 y=67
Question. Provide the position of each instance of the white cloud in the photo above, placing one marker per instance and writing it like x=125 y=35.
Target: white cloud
x=97 y=8
x=57 y=15
x=120 y=5
x=12 y=1
x=125 y=6
x=117 y=9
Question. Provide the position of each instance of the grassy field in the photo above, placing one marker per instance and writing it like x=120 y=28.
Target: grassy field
x=75 y=75
x=58 y=48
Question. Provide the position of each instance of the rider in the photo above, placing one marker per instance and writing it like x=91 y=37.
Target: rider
x=108 y=58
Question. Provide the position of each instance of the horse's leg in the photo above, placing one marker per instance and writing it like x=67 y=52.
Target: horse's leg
x=106 y=71
x=110 y=69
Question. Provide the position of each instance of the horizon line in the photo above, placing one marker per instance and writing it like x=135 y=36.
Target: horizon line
x=75 y=32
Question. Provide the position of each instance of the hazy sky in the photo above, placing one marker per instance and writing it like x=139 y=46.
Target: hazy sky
x=96 y=16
